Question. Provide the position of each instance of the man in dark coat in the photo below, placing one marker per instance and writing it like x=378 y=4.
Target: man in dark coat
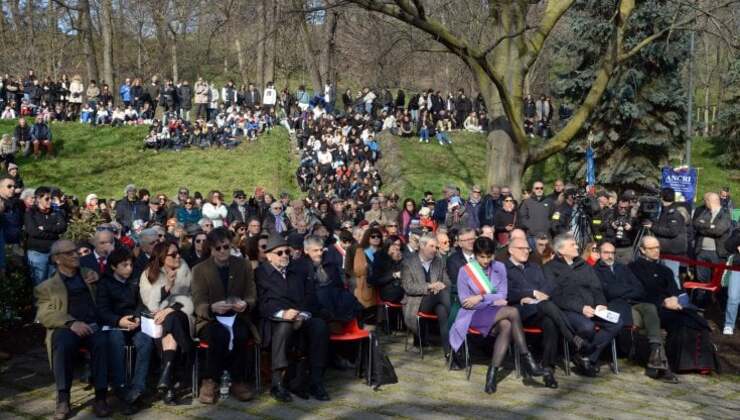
x=661 y=290
x=129 y=208
x=337 y=303
x=529 y=291
x=670 y=229
x=103 y=245
x=579 y=294
x=289 y=310
x=238 y=210
x=626 y=295
x=712 y=225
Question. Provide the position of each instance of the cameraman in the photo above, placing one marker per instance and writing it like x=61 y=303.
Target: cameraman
x=600 y=211
x=670 y=230
x=621 y=230
x=563 y=213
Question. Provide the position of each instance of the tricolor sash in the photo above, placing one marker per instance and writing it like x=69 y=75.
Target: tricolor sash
x=479 y=277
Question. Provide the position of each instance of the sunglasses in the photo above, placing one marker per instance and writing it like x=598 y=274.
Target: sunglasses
x=538 y=188
x=281 y=253
x=188 y=202
x=221 y=247
x=375 y=237
x=174 y=254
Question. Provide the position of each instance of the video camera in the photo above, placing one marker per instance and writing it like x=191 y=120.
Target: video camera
x=649 y=208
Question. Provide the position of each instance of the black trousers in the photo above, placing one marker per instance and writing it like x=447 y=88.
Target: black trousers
x=584 y=327
x=311 y=337
x=218 y=355
x=554 y=324
x=65 y=345
x=439 y=305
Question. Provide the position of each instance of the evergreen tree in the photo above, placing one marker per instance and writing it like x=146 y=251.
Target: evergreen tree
x=727 y=143
x=640 y=123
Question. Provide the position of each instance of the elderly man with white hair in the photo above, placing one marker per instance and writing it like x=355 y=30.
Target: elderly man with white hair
x=577 y=291
x=147 y=239
x=103 y=244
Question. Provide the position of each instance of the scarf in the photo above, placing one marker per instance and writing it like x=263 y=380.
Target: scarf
x=479 y=278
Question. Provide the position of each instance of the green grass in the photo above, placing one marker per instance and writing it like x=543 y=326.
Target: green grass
x=431 y=167
x=105 y=159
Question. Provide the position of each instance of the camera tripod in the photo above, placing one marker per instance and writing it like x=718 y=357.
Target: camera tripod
x=644 y=231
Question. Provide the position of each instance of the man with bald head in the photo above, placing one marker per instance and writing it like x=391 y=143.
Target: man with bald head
x=626 y=295
x=66 y=308
x=529 y=291
x=712 y=226
x=503 y=254
x=688 y=344
x=103 y=245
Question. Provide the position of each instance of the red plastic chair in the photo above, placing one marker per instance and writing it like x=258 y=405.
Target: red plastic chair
x=203 y=345
x=352 y=332
x=718 y=269
x=387 y=306
x=419 y=316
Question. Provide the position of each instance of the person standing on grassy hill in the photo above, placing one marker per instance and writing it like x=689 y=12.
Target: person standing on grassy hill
x=129 y=208
x=44 y=226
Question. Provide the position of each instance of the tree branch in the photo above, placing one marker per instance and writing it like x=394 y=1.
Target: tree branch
x=554 y=11
x=493 y=46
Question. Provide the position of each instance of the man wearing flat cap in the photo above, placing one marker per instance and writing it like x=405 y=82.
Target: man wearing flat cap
x=289 y=309
x=238 y=210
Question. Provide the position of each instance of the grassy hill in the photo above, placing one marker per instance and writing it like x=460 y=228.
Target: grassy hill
x=105 y=159
x=414 y=168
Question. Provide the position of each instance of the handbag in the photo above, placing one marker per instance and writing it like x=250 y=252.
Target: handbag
x=383 y=371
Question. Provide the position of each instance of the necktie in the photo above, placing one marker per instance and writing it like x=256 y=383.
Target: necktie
x=101 y=264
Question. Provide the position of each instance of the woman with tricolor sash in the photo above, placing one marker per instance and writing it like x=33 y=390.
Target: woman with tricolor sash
x=482 y=289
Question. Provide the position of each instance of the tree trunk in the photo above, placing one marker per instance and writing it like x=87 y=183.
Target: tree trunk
x=175 y=74
x=331 y=50
x=261 y=31
x=308 y=51
x=88 y=43
x=270 y=54
x=506 y=164
x=106 y=27
x=241 y=62
x=30 y=46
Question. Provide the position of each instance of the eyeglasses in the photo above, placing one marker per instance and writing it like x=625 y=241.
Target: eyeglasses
x=188 y=202
x=522 y=248
x=538 y=188
x=174 y=254
x=242 y=228
x=220 y=248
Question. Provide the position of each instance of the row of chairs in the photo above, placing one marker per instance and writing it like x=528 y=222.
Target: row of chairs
x=527 y=330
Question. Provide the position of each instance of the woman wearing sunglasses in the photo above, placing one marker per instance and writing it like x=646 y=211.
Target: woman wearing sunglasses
x=165 y=291
x=360 y=261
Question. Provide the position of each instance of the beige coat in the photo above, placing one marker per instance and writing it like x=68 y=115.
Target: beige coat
x=53 y=309
x=151 y=293
x=415 y=285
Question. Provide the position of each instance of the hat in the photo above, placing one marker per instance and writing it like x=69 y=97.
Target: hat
x=193 y=229
x=629 y=194
x=275 y=241
x=295 y=240
x=90 y=197
x=239 y=193
x=12 y=166
x=129 y=187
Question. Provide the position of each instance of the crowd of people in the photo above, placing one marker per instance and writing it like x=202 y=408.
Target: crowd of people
x=282 y=268
x=279 y=274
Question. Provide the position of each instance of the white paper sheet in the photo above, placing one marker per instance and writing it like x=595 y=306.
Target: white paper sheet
x=228 y=322
x=149 y=328
x=607 y=315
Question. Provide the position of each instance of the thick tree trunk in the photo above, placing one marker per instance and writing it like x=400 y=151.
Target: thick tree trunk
x=312 y=63
x=106 y=23
x=241 y=62
x=270 y=54
x=331 y=50
x=175 y=70
x=506 y=164
x=31 y=41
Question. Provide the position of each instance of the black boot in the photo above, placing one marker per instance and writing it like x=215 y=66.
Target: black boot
x=491 y=379
x=530 y=367
x=165 y=379
x=550 y=381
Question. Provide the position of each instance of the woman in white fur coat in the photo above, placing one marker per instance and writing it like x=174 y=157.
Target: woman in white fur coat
x=165 y=291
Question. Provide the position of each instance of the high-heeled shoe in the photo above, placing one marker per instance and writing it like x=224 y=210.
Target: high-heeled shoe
x=491 y=376
x=530 y=367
